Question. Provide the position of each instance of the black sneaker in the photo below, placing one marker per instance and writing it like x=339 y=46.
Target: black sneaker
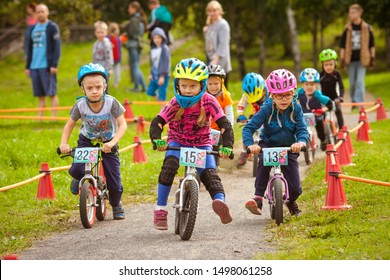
x=255 y=205
x=293 y=208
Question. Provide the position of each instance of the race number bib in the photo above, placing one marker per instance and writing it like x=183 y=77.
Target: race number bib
x=215 y=135
x=85 y=155
x=309 y=119
x=193 y=157
x=275 y=156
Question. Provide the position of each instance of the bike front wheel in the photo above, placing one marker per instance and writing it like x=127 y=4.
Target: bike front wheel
x=87 y=207
x=309 y=153
x=190 y=208
x=277 y=205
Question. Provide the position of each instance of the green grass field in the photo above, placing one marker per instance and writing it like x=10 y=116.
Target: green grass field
x=360 y=233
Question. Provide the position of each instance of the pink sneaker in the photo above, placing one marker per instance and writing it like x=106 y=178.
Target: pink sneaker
x=254 y=206
x=222 y=210
x=160 y=219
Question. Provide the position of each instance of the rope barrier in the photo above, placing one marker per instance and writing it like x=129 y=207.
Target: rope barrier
x=18 y=110
x=373 y=108
x=62 y=168
x=363 y=180
x=356 y=128
x=357 y=103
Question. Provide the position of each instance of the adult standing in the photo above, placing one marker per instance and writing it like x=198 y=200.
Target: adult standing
x=135 y=28
x=44 y=51
x=357 y=51
x=161 y=17
x=217 y=38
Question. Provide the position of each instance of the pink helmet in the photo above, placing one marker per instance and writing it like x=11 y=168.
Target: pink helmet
x=281 y=81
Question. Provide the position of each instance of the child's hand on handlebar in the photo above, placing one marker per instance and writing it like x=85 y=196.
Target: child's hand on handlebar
x=225 y=152
x=107 y=147
x=318 y=112
x=255 y=149
x=242 y=119
x=160 y=144
x=65 y=148
x=296 y=147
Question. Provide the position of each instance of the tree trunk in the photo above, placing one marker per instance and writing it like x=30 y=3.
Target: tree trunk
x=314 y=41
x=261 y=45
x=294 y=39
x=387 y=35
x=240 y=49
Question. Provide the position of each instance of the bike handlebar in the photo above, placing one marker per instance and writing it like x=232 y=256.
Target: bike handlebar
x=303 y=149
x=215 y=153
x=72 y=150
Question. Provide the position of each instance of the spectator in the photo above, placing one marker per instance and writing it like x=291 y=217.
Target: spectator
x=102 y=48
x=217 y=38
x=357 y=51
x=160 y=17
x=44 y=51
x=31 y=20
x=135 y=29
x=113 y=36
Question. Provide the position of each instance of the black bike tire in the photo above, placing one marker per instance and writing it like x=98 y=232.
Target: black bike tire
x=309 y=156
x=255 y=164
x=86 y=197
x=277 y=189
x=177 y=213
x=328 y=133
x=101 y=209
x=190 y=209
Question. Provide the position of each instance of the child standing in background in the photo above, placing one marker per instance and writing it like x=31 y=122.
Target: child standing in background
x=113 y=36
x=102 y=49
x=160 y=65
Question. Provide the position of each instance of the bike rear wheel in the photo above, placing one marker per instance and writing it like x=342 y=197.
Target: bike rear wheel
x=330 y=136
x=277 y=193
x=190 y=208
x=309 y=153
x=255 y=165
x=101 y=209
x=87 y=207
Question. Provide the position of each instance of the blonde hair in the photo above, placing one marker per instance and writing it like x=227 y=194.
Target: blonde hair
x=356 y=7
x=113 y=29
x=200 y=121
x=101 y=25
x=215 y=5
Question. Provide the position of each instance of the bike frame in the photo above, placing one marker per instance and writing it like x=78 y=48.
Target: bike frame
x=89 y=176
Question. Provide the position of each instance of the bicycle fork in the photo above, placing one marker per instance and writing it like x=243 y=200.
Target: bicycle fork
x=88 y=177
x=190 y=176
x=277 y=175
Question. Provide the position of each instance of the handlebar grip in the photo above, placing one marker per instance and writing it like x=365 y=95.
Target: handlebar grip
x=248 y=151
x=231 y=156
x=58 y=151
x=304 y=149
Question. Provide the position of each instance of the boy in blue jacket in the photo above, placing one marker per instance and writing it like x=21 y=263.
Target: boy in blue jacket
x=283 y=126
x=312 y=100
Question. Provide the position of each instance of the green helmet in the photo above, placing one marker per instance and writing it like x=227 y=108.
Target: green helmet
x=328 y=54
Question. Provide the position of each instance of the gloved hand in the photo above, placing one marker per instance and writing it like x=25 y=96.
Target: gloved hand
x=225 y=152
x=317 y=112
x=159 y=144
x=241 y=118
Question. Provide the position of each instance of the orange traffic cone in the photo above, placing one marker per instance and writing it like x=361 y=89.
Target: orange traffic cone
x=380 y=112
x=344 y=155
x=45 y=184
x=362 y=134
x=128 y=113
x=10 y=257
x=139 y=153
x=335 y=196
x=141 y=125
x=330 y=150
x=348 y=141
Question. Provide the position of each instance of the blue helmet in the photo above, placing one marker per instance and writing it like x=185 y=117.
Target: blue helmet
x=253 y=86
x=309 y=75
x=90 y=69
x=192 y=69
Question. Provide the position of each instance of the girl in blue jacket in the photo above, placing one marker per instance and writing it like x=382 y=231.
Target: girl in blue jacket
x=283 y=126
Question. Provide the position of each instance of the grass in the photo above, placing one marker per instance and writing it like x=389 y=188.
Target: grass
x=324 y=235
